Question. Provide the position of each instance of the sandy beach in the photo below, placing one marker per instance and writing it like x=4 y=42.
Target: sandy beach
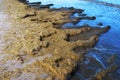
x=37 y=47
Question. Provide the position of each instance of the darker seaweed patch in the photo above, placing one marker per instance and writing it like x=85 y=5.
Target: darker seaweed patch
x=58 y=62
x=29 y=15
x=71 y=75
x=80 y=49
x=86 y=33
x=46 y=6
x=70 y=9
x=34 y=3
x=38 y=5
x=87 y=17
x=104 y=74
x=92 y=69
x=41 y=46
x=23 y=1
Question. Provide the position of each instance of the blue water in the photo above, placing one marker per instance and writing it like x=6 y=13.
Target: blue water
x=111 y=1
x=109 y=43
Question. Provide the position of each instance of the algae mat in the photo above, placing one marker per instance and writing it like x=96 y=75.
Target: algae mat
x=38 y=48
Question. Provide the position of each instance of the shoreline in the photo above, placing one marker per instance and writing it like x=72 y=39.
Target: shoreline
x=39 y=48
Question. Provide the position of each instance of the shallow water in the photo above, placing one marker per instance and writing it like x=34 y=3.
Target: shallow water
x=109 y=42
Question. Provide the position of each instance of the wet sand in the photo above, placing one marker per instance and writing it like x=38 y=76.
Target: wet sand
x=39 y=48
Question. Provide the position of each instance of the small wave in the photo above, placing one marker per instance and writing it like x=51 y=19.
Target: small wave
x=98 y=60
x=104 y=3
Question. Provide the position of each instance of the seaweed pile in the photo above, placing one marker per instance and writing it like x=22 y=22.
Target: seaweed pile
x=39 y=48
